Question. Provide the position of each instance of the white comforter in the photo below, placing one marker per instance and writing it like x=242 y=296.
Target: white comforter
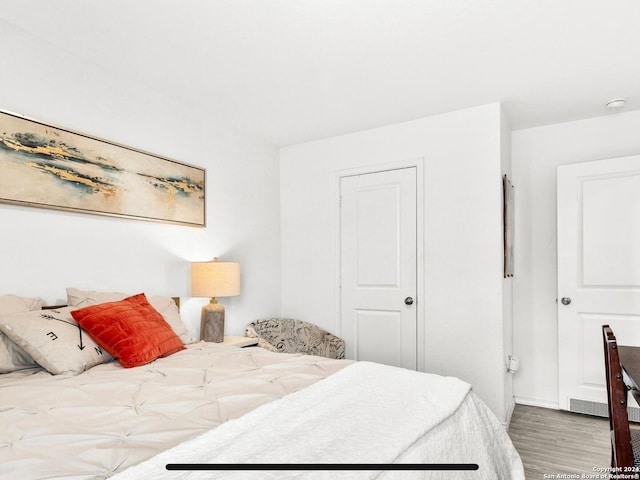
x=364 y=414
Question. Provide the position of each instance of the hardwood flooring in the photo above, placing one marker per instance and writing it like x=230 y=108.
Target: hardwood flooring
x=556 y=442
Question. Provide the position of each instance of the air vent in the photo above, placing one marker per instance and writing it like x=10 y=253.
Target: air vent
x=599 y=409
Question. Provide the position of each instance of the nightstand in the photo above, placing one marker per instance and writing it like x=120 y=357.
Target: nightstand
x=239 y=341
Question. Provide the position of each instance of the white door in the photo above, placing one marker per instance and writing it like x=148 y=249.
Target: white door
x=378 y=221
x=598 y=273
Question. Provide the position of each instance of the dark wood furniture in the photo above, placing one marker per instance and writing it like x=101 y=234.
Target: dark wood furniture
x=630 y=361
x=621 y=439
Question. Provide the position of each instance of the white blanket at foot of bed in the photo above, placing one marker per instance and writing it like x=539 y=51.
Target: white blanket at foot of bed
x=366 y=413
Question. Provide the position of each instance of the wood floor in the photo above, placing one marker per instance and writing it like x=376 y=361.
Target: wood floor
x=554 y=441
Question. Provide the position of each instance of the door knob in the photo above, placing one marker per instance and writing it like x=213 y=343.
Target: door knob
x=408 y=301
x=565 y=300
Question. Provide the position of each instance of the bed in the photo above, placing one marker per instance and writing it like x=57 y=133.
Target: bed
x=226 y=409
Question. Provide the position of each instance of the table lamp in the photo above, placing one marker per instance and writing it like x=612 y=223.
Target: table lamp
x=214 y=279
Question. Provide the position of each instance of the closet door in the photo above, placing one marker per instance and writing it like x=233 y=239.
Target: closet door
x=598 y=273
x=378 y=253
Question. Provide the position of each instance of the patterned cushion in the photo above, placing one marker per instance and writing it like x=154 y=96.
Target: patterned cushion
x=295 y=336
x=54 y=340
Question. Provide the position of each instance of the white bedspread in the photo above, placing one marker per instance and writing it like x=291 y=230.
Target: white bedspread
x=366 y=413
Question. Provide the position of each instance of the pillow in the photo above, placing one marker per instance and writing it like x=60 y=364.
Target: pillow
x=54 y=340
x=130 y=329
x=14 y=304
x=165 y=305
x=12 y=357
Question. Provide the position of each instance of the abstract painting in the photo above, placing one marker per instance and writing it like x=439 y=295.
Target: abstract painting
x=52 y=167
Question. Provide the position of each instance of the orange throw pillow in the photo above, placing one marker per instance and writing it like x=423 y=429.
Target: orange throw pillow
x=131 y=330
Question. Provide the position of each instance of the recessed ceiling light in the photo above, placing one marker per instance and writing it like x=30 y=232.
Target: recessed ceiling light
x=615 y=104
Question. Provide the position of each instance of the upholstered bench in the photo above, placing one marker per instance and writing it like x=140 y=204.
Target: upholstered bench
x=287 y=335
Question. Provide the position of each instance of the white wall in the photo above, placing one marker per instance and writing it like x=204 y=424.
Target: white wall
x=536 y=153
x=463 y=291
x=507 y=283
x=44 y=251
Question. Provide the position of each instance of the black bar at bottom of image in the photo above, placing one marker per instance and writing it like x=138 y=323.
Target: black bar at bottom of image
x=322 y=466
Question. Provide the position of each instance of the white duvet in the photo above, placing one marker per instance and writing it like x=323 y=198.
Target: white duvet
x=364 y=414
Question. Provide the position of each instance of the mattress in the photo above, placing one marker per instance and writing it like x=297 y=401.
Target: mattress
x=215 y=403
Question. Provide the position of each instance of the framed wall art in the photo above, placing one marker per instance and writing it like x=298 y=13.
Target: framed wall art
x=508 y=226
x=52 y=167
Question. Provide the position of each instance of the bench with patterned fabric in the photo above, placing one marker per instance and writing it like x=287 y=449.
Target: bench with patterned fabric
x=287 y=335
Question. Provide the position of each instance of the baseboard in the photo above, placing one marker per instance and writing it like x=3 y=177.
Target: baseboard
x=507 y=422
x=533 y=402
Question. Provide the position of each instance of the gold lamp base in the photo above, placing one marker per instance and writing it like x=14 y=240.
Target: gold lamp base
x=212 y=322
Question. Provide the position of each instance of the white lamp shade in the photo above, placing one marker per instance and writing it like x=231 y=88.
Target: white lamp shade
x=215 y=279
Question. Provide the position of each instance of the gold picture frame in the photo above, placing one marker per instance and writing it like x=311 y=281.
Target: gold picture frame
x=52 y=167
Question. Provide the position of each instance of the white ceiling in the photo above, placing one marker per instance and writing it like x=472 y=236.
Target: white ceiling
x=289 y=71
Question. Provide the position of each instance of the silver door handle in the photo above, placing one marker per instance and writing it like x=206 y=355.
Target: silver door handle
x=408 y=301
x=565 y=300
